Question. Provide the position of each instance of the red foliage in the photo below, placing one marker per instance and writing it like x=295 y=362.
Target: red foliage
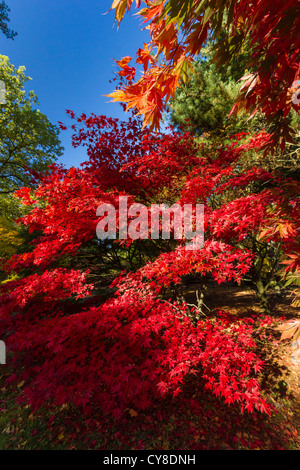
x=178 y=32
x=132 y=350
x=135 y=347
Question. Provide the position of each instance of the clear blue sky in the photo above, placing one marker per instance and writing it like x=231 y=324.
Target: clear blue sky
x=67 y=47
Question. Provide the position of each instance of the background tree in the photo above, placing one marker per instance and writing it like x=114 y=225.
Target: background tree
x=4 y=19
x=27 y=139
x=29 y=143
x=203 y=101
x=10 y=240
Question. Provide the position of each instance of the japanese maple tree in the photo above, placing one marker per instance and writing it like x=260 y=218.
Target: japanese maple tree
x=138 y=345
x=178 y=32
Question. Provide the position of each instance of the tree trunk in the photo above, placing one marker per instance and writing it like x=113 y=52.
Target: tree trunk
x=261 y=292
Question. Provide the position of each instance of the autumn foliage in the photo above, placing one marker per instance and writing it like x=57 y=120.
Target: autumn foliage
x=73 y=346
x=179 y=30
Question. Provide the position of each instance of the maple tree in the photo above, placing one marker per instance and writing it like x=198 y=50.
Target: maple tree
x=105 y=324
x=127 y=350
x=178 y=32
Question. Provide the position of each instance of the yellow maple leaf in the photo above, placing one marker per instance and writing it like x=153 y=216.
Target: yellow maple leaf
x=133 y=413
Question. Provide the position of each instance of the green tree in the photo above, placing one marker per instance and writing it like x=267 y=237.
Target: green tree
x=27 y=141
x=27 y=138
x=202 y=105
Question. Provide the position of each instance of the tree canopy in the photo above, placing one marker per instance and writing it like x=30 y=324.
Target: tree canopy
x=178 y=32
x=28 y=141
x=107 y=324
x=4 y=19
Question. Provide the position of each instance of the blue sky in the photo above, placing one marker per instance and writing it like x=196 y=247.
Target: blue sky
x=67 y=47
